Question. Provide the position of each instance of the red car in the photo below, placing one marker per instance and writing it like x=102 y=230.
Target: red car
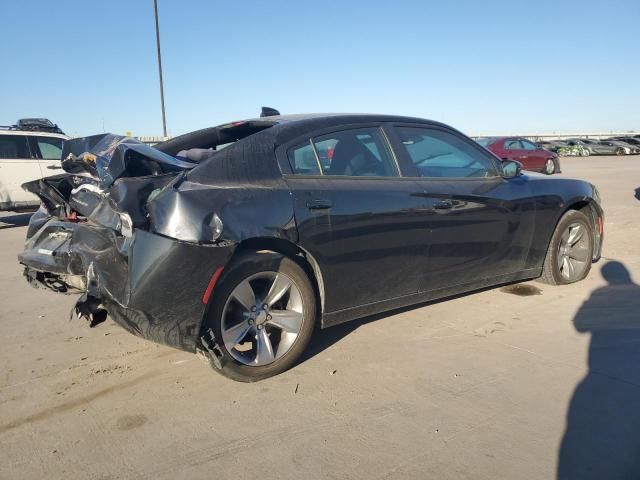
x=530 y=155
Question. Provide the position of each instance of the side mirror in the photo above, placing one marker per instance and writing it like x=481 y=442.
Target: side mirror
x=511 y=169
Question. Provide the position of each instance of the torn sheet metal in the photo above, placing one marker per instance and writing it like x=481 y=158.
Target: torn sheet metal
x=109 y=157
x=200 y=213
x=127 y=276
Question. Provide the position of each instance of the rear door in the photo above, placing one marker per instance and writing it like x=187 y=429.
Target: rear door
x=48 y=150
x=601 y=148
x=17 y=166
x=357 y=217
x=513 y=150
x=537 y=157
x=609 y=147
x=477 y=225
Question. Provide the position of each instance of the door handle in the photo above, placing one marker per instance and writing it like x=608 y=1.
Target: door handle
x=54 y=167
x=443 y=205
x=319 y=204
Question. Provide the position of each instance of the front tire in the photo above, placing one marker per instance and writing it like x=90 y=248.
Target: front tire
x=570 y=251
x=620 y=151
x=263 y=314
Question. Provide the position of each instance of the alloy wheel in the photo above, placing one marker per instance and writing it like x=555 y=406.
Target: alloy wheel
x=549 y=166
x=262 y=318
x=574 y=251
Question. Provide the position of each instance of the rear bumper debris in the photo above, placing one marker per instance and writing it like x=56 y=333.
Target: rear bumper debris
x=127 y=277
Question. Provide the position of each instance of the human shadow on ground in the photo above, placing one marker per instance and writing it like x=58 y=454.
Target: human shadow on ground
x=602 y=436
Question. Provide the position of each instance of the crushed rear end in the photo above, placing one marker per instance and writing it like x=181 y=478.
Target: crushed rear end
x=93 y=236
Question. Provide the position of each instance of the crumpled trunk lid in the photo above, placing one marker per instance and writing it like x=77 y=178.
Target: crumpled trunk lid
x=109 y=157
x=107 y=177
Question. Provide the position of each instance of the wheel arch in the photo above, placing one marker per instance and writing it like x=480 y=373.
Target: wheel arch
x=292 y=251
x=589 y=207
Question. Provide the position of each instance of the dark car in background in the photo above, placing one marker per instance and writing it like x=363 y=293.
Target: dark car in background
x=604 y=147
x=581 y=144
x=630 y=143
x=530 y=155
x=568 y=148
x=618 y=147
x=299 y=221
x=629 y=140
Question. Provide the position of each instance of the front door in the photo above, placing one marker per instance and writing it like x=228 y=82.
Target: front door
x=480 y=225
x=49 y=153
x=537 y=156
x=357 y=217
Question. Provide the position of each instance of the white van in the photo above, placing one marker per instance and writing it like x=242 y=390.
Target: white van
x=26 y=154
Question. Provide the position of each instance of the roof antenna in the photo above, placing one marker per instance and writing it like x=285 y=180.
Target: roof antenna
x=269 y=112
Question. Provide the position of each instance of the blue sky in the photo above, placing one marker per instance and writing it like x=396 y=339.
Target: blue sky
x=484 y=67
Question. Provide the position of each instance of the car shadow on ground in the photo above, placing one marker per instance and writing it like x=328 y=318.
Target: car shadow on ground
x=602 y=436
x=323 y=339
x=15 y=220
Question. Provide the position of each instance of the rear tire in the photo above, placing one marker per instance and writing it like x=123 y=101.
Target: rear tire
x=620 y=151
x=267 y=348
x=570 y=251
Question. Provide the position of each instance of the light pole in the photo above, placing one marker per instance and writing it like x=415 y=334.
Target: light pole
x=164 y=120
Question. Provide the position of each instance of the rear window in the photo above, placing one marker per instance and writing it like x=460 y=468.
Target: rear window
x=354 y=153
x=14 y=146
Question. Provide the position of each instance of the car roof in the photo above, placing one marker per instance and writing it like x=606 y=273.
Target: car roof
x=339 y=118
x=286 y=125
x=257 y=149
x=494 y=139
x=32 y=133
x=278 y=129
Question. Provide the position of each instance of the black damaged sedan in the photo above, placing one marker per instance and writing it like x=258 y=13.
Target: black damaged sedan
x=238 y=240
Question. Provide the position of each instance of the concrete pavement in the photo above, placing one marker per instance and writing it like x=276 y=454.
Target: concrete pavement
x=488 y=386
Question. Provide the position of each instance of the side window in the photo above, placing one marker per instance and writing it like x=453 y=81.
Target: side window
x=439 y=154
x=303 y=160
x=527 y=145
x=512 y=145
x=357 y=153
x=50 y=147
x=14 y=146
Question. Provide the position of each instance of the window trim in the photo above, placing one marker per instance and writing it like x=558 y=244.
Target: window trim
x=34 y=146
x=533 y=144
x=513 y=139
x=310 y=137
x=412 y=170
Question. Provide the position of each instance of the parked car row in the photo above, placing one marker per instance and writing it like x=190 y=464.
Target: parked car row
x=544 y=156
x=532 y=156
x=589 y=146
